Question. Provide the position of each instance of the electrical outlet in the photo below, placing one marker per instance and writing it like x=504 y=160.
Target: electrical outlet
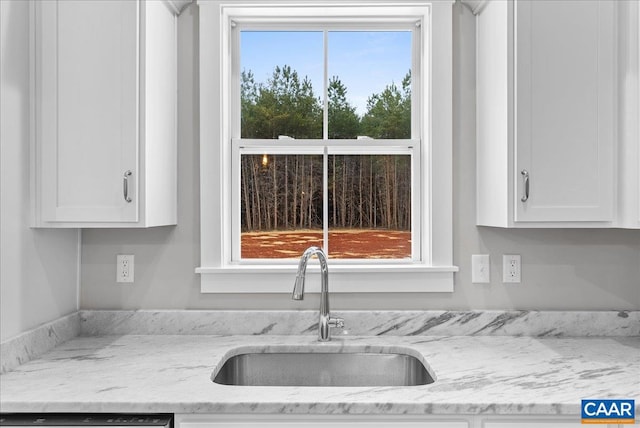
x=480 y=269
x=124 y=267
x=511 y=268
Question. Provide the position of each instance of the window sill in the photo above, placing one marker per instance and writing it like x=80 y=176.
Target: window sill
x=389 y=278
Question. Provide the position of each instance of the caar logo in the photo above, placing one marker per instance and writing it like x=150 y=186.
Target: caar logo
x=596 y=411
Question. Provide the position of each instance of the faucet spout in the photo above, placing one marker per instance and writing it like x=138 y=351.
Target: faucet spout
x=325 y=321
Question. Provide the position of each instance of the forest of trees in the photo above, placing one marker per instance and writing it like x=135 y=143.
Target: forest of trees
x=284 y=192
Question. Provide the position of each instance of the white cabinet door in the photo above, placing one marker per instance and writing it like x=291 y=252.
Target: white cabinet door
x=546 y=113
x=537 y=424
x=564 y=110
x=311 y=421
x=336 y=424
x=87 y=82
x=105 y=103
x=531 y=424
x=629 y=114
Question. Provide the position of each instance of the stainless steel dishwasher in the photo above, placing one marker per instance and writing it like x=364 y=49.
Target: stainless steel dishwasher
x=93 y=420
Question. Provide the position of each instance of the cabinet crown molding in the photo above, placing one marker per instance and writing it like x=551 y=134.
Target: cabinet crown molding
x=475 y=6
x=178 y=5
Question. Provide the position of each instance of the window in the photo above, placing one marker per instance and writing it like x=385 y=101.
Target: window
x=322 y=146
x=326 y=125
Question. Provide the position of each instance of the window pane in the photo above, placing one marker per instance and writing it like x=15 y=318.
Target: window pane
x=281 y=84
x=369 y=84
x=281 y=205
x=370 y=206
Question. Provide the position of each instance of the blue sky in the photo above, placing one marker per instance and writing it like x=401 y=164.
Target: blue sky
x=365 y=61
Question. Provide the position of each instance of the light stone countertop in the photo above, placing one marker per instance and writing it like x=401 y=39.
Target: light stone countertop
x=475 y=375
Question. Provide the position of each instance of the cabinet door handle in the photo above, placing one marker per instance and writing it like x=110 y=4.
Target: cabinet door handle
x=125 y=186
x=525 y=176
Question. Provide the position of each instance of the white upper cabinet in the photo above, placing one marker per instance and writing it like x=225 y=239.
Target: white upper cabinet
x=629 y=114
x=564 y=110
x=546 y=122
x=105 y=89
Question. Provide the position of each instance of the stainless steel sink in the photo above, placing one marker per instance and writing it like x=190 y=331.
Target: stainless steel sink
x=323 y=369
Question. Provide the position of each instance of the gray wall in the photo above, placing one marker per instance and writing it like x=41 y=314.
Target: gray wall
x=38 y=268
x=562 y=269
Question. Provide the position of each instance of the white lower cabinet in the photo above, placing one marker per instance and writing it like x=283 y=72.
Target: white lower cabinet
x=536 y=424
x=316 y=421
x=334 y=424
x=376 y=421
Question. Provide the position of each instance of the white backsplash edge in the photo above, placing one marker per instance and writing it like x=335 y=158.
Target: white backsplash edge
x=33 y=343
x=365 y=323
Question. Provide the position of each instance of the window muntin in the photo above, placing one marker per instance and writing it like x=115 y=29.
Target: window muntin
x=284 y=104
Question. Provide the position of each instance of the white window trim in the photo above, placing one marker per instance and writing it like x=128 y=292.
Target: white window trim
x=435 y=273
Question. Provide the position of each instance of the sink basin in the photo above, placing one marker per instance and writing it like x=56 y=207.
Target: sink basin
x=323 y=369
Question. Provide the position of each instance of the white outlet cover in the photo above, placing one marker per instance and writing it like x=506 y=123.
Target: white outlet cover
x=480 y=269
x=511 y=268
x=125 y=268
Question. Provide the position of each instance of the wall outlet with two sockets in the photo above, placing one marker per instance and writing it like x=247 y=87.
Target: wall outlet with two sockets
x=481 y=268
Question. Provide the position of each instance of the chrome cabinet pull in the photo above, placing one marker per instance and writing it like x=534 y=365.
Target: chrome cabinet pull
x=125 y=186
x=525 y=176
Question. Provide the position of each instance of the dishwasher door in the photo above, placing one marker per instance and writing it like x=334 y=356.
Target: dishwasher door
x=93 y=420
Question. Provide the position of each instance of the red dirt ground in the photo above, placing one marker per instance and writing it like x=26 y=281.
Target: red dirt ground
x=343 y=244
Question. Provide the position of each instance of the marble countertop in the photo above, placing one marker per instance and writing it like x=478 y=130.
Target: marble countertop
x=474 y=375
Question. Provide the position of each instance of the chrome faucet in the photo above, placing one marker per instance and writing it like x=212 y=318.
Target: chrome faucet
x=325 y=322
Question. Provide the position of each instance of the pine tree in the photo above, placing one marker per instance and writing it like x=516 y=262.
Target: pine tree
x=343 y=120
x=389 y=112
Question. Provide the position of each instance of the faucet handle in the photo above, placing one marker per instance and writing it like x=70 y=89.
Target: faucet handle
x=336 y=322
